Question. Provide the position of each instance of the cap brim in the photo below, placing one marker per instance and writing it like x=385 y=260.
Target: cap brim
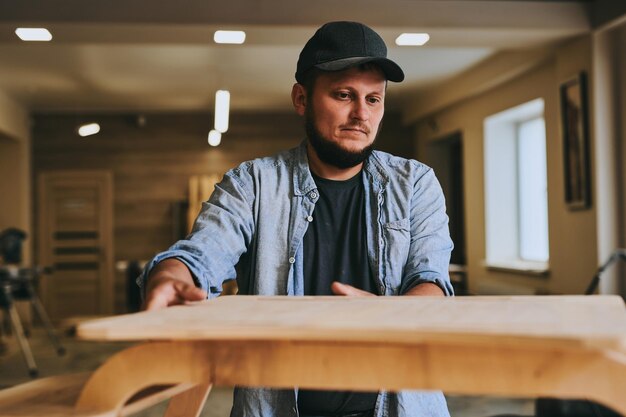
x=392 y=71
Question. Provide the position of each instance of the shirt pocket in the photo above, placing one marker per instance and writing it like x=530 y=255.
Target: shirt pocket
x=396 y=243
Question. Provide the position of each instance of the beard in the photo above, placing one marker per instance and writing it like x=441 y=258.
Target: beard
x=332 y=153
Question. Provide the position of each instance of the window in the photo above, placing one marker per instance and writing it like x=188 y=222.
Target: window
x=533 y=190
x=516 y=197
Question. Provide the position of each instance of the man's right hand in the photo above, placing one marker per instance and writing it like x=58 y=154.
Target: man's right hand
x=170 y=283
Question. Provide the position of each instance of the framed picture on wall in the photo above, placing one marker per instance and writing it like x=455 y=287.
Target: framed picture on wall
x=575 y=131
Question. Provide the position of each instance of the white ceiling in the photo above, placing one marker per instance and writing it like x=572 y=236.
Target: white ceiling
x=141 y=55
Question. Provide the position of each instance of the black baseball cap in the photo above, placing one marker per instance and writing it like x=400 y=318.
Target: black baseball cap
x=341 y=45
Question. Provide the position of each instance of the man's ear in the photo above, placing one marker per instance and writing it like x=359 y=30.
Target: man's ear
x=298 y=98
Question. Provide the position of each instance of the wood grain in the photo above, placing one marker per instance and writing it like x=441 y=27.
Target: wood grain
x=556 y=320
x=512 y=370
x=57 y=396
x=189 y=403
x=510 y=346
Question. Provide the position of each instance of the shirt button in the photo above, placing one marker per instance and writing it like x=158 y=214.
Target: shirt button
x=309 y=219
x=313 y=195
x=292 y=260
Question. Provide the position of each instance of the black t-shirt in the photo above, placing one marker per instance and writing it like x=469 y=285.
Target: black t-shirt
x=335 y=249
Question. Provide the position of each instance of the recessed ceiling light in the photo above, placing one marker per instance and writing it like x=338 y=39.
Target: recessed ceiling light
x=88 y=129
x=215 y=138
x=33 y=34
x=222 y=104
x=412 y=39
x=229 y=36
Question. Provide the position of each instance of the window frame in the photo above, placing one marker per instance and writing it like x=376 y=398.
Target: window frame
x=502 y=158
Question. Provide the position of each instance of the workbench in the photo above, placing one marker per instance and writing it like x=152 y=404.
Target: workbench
x=526 y=346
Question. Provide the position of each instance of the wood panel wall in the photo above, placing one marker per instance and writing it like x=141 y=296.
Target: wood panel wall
x=151 y=164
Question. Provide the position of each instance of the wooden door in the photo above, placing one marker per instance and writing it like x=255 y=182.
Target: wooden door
x=75 y=238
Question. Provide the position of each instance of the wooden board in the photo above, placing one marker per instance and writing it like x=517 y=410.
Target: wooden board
x=561 y=321
x=527 y=346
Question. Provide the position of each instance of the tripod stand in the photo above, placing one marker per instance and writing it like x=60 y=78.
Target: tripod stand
x=618 y=254
x=19 y=284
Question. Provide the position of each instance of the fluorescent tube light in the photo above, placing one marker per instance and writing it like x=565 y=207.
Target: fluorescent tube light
x=229 y=36
x=88 y=129
x=222 y=104
x=412 y=39
x=33 y=34
x=215 y=138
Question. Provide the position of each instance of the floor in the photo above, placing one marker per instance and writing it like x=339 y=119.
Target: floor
x=85 y=356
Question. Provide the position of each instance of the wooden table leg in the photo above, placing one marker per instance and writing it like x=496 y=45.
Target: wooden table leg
x=190 y=402
x=474 y=368
x=142 y=366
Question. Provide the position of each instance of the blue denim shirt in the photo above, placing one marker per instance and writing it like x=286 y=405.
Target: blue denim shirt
x=255 y=222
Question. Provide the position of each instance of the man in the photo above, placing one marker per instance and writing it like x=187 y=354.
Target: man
x=329 y=217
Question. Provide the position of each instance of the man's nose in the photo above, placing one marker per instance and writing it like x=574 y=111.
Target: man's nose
x=360 y=110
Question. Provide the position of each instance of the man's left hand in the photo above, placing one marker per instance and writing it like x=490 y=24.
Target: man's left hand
x=344 y=289
x=426 y=288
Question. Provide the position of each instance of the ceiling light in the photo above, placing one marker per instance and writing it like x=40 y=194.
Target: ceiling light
x=222 y=104
x=412 y=39
x=230 y=36
x=215 y=138
x=33 y=34
x=88 y=129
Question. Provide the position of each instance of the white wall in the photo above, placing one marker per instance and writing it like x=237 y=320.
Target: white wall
x=572 y=234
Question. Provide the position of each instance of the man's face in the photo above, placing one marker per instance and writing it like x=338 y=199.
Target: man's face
x=344 y=113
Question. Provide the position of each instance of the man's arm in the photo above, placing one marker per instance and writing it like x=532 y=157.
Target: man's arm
x=429 y=253
x=207 y=257
x=171 y=283
x=425 y=288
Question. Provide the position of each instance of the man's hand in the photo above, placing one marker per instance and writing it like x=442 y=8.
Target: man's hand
x=170 y=283
x=344 y=289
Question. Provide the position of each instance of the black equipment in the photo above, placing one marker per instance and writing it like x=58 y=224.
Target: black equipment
x=618 y=254
x=11 y=245
x=20 y=284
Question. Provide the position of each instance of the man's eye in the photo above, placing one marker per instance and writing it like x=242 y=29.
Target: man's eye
x=343 y=95
x=374 y=100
